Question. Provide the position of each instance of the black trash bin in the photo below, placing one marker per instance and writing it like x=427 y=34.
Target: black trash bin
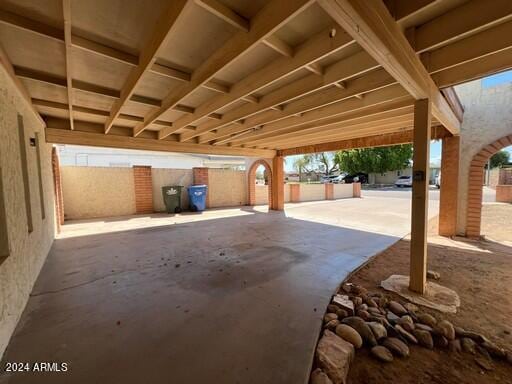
x=172 y=198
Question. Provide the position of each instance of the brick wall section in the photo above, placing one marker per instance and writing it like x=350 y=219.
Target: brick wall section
x=295 y=193
x=357 y=189
x=449 y=186
x=251 y=182
x=475 y=183
x=201 y=178
x=143 y=189
x=329 y=191
x=57 y=184
x=505 y=176
x=504 y=193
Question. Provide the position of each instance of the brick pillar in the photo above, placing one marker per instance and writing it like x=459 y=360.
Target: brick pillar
x=295 y=193
x=329 y=191
x=449 y=186
x=143 y=189
x=277 y=184
x=57 y=185
x=201 y=178
x=356 y=189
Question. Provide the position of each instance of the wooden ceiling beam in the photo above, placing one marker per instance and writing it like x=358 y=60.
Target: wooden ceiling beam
x=29 y=74
x=92 y=111
x=228 y=15
x=362 y=142
x=265 y=23
x=379 y=101
x=278 y=45
x=487 y=42
x=66 y=11
x=96 y=48
x=339 y=71
x=362 y=131
x=372 y=81
x=164 y=28
x=466 y=19
x=475 y=69
x=82 y=137
x=401 y=9
x=338 y=124
x=371 y=25
x=315 y=48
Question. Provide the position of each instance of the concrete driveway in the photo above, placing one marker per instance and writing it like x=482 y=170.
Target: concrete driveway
x=227 y=296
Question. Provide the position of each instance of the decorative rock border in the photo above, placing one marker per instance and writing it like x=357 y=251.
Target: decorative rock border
x=356 y=318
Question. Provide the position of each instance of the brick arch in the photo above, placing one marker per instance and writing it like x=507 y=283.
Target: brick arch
x=251 y=182
x=476 y=181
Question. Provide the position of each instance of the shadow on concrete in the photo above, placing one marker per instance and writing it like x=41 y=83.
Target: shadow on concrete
x=227 y=300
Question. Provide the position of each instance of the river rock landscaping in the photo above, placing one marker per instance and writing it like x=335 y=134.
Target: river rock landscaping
x=388 y=328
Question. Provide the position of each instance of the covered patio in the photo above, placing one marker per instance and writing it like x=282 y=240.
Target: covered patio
x=261 y=79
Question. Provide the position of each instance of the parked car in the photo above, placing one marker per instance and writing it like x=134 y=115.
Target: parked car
x=438 y=180
x=359 y=177
x=403 y=181
x=333 y=179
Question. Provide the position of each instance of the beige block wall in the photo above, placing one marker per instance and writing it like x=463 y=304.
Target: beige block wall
x=20 y=268
x=91 y=192
x=287 y=193
x=487 y=118
x=227 y=188
x=343 y=191
x=261 y=194
x=312 y=192
x=165 y=176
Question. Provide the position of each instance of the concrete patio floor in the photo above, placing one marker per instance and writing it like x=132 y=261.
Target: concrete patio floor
x=226 y=296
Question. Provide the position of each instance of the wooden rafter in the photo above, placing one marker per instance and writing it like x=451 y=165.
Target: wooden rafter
x=467 y=19
x=148 y=56
x=66 y=10
x=339 y=71
x=25 y=73
x=225 y=13
x=378 y=101
x=315 y=48
x=363 y=142
x=264 y=24
x=372 y=81
x=371 y=25
x=98 y=138
x=100 y=49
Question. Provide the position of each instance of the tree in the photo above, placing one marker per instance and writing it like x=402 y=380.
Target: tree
x=378 y=160
x=499 y=159
x=326 y=163
x=319 y=162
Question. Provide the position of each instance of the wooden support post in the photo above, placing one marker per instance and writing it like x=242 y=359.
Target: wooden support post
x=419 y=217
x=449 y=186
x=278 y=183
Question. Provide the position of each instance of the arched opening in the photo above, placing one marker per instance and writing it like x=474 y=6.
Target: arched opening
x=260 y=183
x=477 y=178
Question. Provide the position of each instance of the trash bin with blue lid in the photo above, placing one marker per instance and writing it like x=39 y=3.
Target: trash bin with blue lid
x=197 y=197
x=172 y=198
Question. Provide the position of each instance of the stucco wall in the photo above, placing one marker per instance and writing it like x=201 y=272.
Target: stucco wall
x=312 y=192
x=261 y=194
x=487 y=118
x=28 y=252
x=166 y=176
x=287 y=193
x=227 y=188
x=342 y=191
x=97 y=192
